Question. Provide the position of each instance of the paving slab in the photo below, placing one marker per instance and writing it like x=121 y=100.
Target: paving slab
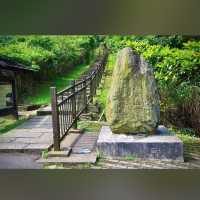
x=37 y=148
x=59 y=153
x=7 y=140
x=85 y=143
x=21 y=134
x=12 y=147
x=82 y=150
x=19 y=161
x=69 y=140
x=34 y=135
x=35 y=140
x=72 y=159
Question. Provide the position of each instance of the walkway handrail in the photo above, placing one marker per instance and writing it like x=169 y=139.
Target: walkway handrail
x=68 y=104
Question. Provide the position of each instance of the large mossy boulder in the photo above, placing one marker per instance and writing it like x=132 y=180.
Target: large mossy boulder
x=133 y=102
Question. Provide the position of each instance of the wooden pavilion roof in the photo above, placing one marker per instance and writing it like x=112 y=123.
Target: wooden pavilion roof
x=11 y=65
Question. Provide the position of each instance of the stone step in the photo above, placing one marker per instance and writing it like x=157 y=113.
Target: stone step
x=73 y=159
x=69 y=140
x=85 y=144
x=64 y=153
x=93 y=108
x=76 y=148
x=85 y=116
x=23 y=148
x=44 y=111
x=78 y=131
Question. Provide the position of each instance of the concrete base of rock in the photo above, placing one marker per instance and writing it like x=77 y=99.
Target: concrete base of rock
x=164 y=147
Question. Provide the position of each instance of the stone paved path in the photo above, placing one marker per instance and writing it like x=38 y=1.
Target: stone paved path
x=109 y=163
x=34 y=135
x=83 y=150
x=85 y=144
x=19 y=161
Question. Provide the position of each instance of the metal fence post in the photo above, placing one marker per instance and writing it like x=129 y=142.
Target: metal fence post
x=74 y=104
x=55 y=120
x=14 y=98
x=91 y=88
x=85 y=93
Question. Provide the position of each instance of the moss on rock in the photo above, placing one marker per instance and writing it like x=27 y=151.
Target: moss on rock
x=133 y=102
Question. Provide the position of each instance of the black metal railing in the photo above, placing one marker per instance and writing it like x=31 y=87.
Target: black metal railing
x=68 y=104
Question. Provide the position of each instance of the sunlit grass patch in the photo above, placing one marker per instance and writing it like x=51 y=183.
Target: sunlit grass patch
x=42 y=90
x=8 y=123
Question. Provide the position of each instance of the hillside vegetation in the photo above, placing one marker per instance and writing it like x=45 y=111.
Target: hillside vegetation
x=38 y=52
x=56 y=59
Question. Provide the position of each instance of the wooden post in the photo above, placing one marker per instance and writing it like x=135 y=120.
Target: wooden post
x=55 y=120
x=14 y=98
x=74 y=104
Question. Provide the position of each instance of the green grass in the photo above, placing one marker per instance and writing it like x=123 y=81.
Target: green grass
x=130 y=158
x=90 y=126
x=42 y=93
x=186 y=135
x=191 y=143
x=102 y=93
x=8 y=123
x=45 y=153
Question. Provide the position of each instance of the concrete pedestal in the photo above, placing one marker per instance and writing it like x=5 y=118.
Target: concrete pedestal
x=165 y=147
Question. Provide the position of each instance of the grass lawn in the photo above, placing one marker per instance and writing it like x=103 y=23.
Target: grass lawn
x=42 y=93
x=9 y=122
x=191 y=143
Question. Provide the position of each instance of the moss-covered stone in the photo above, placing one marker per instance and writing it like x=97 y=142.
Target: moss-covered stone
x=133 y=102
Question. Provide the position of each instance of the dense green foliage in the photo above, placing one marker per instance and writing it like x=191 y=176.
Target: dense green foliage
x=52 y=51
x=172 y=65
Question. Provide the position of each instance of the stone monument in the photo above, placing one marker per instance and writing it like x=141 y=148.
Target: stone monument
x=133 y=114
x=133 y=103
